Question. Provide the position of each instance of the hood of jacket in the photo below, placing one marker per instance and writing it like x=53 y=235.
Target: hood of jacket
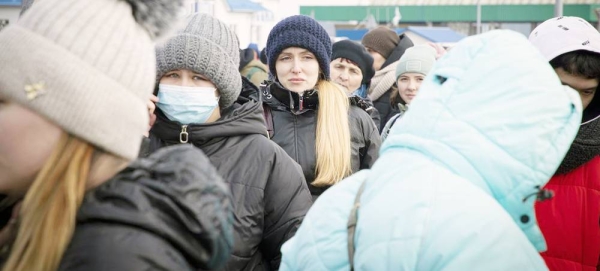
x=172 y=194
x=244 y=117
x=506 y=134
x=404 y=43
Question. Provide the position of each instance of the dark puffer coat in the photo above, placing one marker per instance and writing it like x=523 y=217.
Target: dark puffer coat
x=170 y=211
x=270 y=195
x=295 y=130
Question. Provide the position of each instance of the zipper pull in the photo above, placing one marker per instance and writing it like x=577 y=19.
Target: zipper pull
x=301 y=105
x=183 y=136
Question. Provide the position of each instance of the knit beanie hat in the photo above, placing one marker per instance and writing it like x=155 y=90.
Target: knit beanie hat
x=381 y=39
x=206 y=46
x=356 y=53
x=87 y=66
x=263 y=56
x=417 y=59
x=561 y=35
x=299 y=31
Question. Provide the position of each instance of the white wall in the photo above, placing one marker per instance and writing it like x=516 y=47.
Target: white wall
x=10 y=13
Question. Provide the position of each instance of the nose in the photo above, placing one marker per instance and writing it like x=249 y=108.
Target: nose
x=412 y=85
x=296 y=68
x=344 y=76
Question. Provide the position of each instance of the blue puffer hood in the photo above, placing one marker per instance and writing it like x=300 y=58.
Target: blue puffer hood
x=506 y=134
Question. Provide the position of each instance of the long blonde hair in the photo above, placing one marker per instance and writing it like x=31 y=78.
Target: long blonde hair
x=48 y=211
x=333 y=143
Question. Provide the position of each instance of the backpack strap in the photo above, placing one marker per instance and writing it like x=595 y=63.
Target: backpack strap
x=352 y=221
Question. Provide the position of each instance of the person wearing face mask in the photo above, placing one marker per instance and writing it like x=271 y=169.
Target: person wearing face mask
x=73 y=94
x=352 y=68
x=204 y=101
x=412 y=68
x=311 y=118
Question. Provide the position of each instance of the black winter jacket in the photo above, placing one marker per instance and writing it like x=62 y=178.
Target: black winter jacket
x=270 y=195
x=295 y=131
x=170 y=211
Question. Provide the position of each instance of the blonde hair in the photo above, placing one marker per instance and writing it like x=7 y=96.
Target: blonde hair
x=333 y=149
x=48 y=211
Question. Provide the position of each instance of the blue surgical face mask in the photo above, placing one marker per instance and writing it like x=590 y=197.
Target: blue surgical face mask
x=187 y=104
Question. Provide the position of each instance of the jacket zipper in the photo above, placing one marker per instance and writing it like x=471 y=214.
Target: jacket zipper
x=183 y=136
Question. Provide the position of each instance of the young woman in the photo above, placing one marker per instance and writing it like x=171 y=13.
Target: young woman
x=312 y=118
x=386 y=47
x=73 y=89
x=200 y=104
x=412 y=68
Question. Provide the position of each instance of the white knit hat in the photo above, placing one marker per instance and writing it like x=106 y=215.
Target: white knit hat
x=87 y=65
x=561 y=35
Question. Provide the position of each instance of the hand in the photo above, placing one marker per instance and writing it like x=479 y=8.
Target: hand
x=439 y=50
x=151 y=104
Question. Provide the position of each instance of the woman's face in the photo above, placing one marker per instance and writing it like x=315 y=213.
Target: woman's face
x=346 y=73
x=187 y=78
x=297 y=69
x=26 y=143
x=408 y=85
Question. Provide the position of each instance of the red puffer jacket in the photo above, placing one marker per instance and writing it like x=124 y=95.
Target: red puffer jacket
x=570 y=220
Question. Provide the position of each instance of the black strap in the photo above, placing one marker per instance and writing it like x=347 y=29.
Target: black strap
x=352 y=220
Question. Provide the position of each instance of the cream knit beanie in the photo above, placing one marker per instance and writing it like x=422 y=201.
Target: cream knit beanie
x=87 y=65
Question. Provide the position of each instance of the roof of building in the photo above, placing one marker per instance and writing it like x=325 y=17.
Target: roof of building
x=437 y=34
x=16 y=3
x=244 y=6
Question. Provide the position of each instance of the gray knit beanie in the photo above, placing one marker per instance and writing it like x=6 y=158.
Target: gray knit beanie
x=206 y=46
x=87 y=65
x=417 y=59
x=381 y=39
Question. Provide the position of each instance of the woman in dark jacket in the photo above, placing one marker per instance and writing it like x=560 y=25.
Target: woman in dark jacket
x=312 y=119
x=199 y=84
x=73 y=97
x=386 y=47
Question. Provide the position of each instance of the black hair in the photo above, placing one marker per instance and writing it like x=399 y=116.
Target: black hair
x=579 y=63
x=585 y=64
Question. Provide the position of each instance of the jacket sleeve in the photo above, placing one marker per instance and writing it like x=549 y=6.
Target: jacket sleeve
x=102 y=246
x=370 y=152
x=286 y=203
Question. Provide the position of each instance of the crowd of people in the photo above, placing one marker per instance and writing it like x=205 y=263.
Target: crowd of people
x=133 y=141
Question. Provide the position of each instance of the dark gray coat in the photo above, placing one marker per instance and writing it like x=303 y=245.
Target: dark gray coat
x=270 y=195
x=170 y=211
x=295 y=131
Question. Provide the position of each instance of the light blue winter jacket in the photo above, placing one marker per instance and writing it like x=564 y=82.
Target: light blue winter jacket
x=457 y=178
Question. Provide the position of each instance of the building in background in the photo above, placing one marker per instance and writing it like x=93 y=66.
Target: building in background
x=459 y=15
x=9 y=12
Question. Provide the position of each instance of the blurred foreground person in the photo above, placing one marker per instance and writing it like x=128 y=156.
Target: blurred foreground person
x=458 y=176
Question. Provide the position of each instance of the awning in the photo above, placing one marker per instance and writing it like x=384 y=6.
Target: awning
x=14 y=3
x=245 y=6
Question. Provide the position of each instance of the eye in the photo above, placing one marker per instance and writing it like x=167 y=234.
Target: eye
x=284 y=58
x=200 y=78
x=420 y=79
x=403 y=79
x=588 y=92
x=308 y=57
x=172 y=75
x=354 y=71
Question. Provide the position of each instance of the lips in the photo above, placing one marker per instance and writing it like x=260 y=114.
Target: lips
x=296 y=80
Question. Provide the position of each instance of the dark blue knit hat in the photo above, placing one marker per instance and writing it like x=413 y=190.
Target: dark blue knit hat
x=299 y=31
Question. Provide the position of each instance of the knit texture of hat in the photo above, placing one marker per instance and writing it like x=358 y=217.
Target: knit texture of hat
x=299 y=31
x=356 y=53
x=87 y=65
x=206 y=46
x=561 y=35
x=417 y=59
x=381 y=39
